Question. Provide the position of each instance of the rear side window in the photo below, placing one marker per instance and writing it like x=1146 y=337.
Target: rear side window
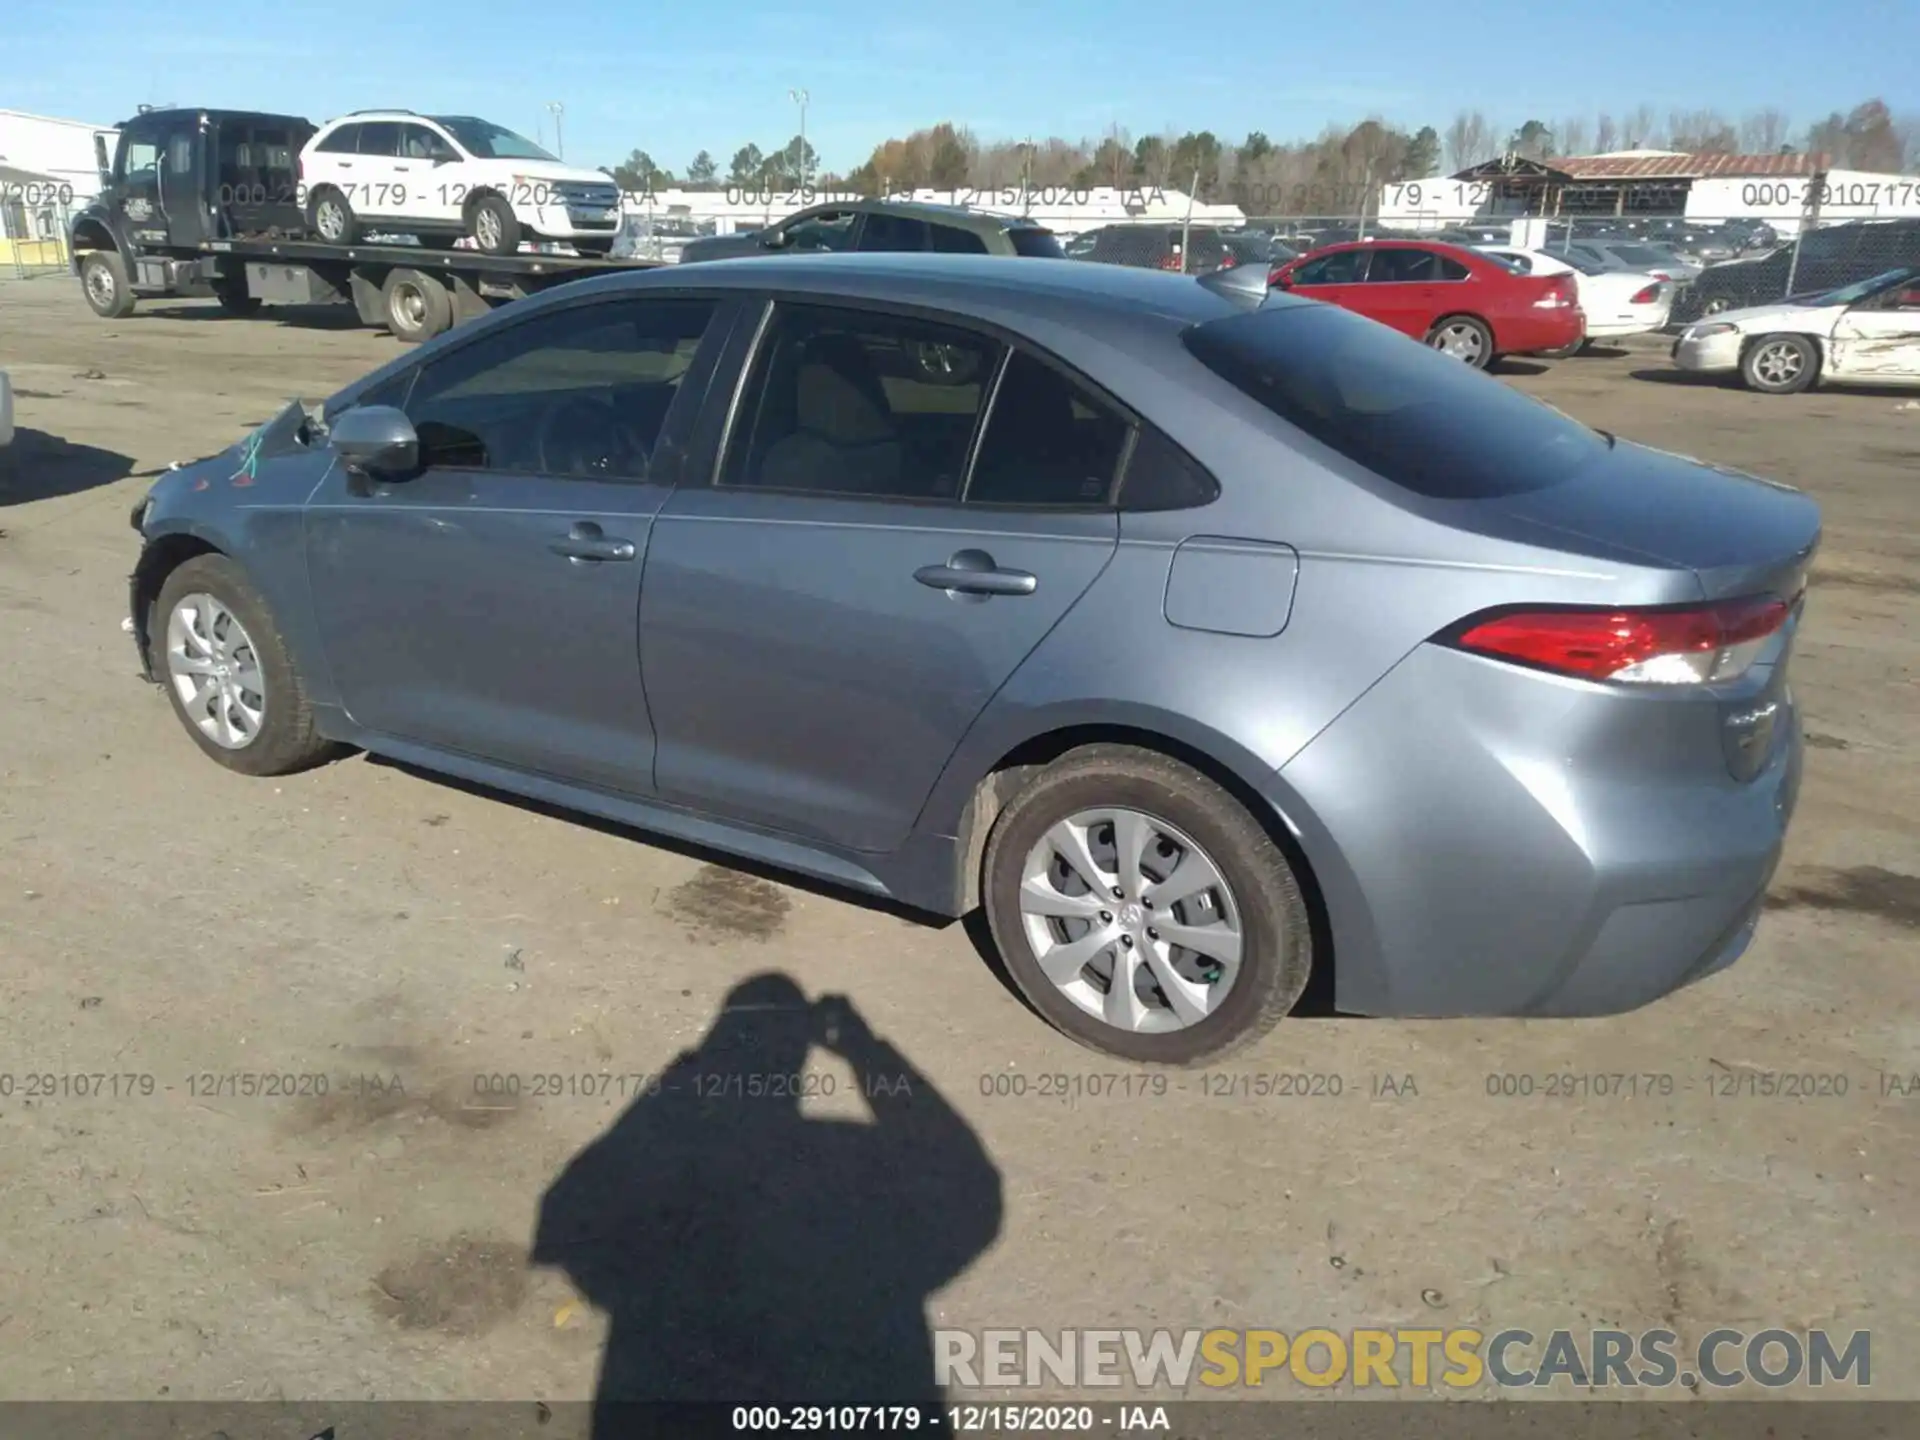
x=893 y=232
x=1048 y=442
x=952 y=240
x=1411 y=415
x=1162 y=476
x=1036 y=244
x=344 y=141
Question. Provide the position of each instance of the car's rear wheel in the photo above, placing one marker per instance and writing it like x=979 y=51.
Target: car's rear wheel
x=1565 y=352
x=103 y=276
x=1465 y=338
x=1779 y=364
x=493 y=226
x=229 y=674
x=1717 y=304
x=331 y=218
x=1142 y=910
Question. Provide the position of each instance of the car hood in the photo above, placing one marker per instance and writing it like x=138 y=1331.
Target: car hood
x=1811 y=319
x=542 y=170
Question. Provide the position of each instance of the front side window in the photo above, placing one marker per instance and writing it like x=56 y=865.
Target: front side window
x=843 y=402
x=1028 y=240
x=417 y=142
x=1048 y=442
x=952 y=240
x=893 y=232
x=139 y=160
x=1343 y=267
x=581 y=392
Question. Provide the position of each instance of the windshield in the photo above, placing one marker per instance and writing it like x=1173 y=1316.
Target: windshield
x=488 y=141
x=1860 y=290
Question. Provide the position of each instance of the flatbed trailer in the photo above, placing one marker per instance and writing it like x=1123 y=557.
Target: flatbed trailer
x=200 y=202
x=411 y=290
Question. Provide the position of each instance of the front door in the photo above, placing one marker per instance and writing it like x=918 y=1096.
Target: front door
x=1880 y=340
x=489 y=603
x=824 y=622
x=1339 y=278
x=183 y=196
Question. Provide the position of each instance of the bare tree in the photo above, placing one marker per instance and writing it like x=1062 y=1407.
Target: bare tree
x=1701 y=131
x=1641 y=130
x=1606 y=135
x=1907 y=128
x=1571 y=135
x=1469 y=140
x=1764 y=132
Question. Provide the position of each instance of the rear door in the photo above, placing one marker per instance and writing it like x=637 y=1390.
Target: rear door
x=1410 y=288
x=379 y=190
x=489 y=605
x=826 y=618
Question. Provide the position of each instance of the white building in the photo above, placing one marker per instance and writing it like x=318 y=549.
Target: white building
x=48 y=169
x=1783 y=190
x=1064 y=209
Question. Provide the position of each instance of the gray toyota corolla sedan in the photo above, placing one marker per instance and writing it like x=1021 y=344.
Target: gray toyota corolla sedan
x=1204 y=640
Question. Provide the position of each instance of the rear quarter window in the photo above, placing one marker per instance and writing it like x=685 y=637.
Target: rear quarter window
x=1411 y=415
x=1037 y=244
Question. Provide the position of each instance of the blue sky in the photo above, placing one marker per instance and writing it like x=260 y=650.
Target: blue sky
x=675 y=78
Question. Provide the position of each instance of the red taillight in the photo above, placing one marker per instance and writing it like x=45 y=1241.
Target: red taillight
x=1646 y=296
x=1689 y=645
x=1660 y=275
x=1171 y=262
x=1561 y=293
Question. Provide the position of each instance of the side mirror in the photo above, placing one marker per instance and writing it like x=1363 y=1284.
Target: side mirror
x=776 y=237
x=376 y=440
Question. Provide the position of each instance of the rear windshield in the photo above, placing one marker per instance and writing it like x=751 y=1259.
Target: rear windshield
x=1408 y=413
x=1036 y=244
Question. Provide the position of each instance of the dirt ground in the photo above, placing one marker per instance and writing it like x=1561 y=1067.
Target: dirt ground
x=169 y=933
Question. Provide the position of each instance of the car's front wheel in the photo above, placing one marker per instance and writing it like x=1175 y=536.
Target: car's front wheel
x=1142 y=910
x=228 y=672
x=1780 y=364
x=493 y=225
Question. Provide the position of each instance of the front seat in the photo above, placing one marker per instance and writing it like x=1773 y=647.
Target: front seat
x=843 y=438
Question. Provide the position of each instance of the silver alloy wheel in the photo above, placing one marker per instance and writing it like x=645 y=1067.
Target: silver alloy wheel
x=1460 y=340
x=1716 y=305
x=100 y=286
x=1131 y=920
x=486 y=228
x=1778 y=362
x=330 y=217
x=215 y=671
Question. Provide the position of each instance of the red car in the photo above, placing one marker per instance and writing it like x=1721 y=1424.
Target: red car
x=1454 y=299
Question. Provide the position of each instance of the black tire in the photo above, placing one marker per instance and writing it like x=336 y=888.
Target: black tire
x=1780 y=364
x=234 y=299
x=416 y=305
x=595 y=249
x=506 y=226
x=287 y=739
x=1467 y=324
x=103 y=279
x=331 y=218
x=1277 y=944
x=1565 y=352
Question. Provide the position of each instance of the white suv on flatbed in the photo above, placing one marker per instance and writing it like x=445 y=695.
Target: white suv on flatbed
x=439 y=177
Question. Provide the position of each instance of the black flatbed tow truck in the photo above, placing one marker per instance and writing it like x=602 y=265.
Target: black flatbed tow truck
x=203 y=203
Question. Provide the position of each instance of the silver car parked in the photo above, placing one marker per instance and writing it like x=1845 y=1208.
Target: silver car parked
x=1206 y=642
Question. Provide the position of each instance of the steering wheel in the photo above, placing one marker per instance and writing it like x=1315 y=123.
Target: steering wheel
x=582 y=435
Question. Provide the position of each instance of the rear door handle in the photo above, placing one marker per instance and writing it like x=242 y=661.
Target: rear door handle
x=973 y=572
x=586 y=542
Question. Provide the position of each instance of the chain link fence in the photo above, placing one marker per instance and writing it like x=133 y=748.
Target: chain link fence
x=34 y=221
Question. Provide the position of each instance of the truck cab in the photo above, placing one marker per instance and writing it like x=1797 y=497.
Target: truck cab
x=180 y=180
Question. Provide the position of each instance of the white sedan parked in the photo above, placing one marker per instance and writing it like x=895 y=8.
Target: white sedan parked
x=1616 y=303
x=1864 y=334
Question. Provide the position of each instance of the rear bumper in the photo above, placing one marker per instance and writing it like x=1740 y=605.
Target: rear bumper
x=1498 y=842
x=1530 y=330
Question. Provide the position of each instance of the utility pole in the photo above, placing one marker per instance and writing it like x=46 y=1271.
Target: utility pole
x=799 y=97
x=559 y=141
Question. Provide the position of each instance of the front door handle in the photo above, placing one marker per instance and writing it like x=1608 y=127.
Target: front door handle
x=973 y=572
x=586 y=542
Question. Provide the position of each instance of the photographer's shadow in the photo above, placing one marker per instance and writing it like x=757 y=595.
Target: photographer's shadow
x=746 y=1253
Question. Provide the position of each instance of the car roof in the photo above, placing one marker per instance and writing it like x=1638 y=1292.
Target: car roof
x=960 y=215
x=181 y=112
x=953 y=282
x=1374 y=242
